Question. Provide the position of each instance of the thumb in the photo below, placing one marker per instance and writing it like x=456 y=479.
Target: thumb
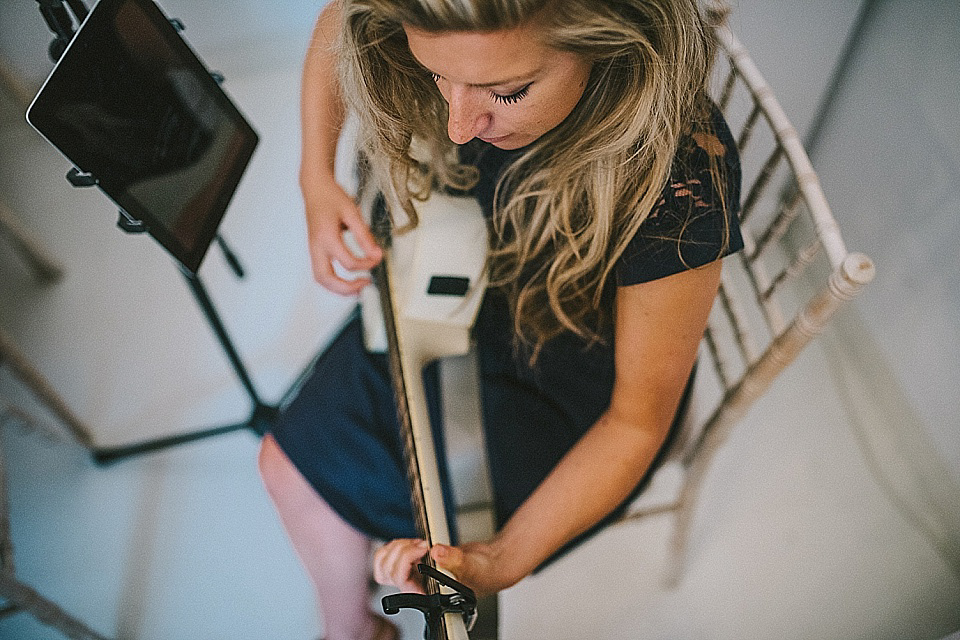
x=450 y=558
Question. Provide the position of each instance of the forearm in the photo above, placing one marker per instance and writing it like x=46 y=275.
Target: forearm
x=328 y=208
x=322 y=109
x=591 y=480
x=659 y=325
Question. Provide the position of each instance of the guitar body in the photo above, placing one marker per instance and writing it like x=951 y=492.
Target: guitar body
x=430 y=287
x=438 y=277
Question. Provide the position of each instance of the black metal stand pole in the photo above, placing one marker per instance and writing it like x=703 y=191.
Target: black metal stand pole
x=213 y=318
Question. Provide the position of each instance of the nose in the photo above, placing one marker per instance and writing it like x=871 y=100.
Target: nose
x=468 y=118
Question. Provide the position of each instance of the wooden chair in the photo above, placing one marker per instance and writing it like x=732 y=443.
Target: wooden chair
x=19 y=597
x=16 y=596
x=46 y=268
x=777 y=294
x=37 y=383
x=43 y=265
x=14 y=85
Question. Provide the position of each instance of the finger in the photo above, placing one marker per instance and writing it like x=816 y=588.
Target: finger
x=324 y=273
x=448 y=557
x=394 y=563
x=385 y=559
x=388 y=560
x=334 y=244
x=318 y=239
x=354 y=222
x=403 y=572
x=329 y=280
x=348 y=257
x=387 y=564
x=378 y=573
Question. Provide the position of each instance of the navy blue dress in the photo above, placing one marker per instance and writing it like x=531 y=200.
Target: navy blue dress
x=341 y=429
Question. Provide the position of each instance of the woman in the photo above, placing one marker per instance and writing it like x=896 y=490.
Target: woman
x=611 y=182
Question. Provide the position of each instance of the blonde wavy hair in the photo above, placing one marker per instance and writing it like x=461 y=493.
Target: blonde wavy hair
x=579 y=193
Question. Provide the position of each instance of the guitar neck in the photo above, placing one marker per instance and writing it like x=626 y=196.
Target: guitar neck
x=412 y=345
x=428 y=308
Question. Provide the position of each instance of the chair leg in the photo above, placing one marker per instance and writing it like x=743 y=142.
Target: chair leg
x=27 y=600
x=696 y=460
x=12 y=83
x=21 y=598
x=683 y=523
x=38 y=384
x=42 y=264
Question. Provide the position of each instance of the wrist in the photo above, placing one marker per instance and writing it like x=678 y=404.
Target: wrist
x=512 y=563
x=316 y=178
x=321 y=191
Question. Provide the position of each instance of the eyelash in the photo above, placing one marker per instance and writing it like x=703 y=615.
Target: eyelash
x=513 y=98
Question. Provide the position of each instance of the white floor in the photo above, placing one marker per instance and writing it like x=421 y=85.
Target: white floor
x=794 y=537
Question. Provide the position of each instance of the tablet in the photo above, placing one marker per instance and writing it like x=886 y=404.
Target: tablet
x=131 y=104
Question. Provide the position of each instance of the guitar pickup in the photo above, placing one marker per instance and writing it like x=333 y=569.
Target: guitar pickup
x=448 y=286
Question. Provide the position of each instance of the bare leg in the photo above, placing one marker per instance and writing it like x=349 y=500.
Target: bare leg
x=335 y=555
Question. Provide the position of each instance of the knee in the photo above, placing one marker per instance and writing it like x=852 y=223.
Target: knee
x=273 y=464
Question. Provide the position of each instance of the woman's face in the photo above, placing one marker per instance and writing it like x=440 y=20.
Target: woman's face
x=505 y=87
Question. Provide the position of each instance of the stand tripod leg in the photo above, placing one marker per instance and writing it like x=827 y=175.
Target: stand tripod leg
x=23 y=598
x=262 y=415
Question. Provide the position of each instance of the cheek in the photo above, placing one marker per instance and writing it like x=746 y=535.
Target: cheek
x=549 y=113
x=525 y=121
x=553 y=108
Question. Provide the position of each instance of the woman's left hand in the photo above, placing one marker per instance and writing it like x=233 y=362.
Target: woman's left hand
x=475 y=564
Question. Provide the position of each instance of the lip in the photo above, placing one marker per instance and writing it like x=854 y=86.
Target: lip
x=494 y=140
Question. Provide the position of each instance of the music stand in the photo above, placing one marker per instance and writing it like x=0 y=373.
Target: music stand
x=164 y=96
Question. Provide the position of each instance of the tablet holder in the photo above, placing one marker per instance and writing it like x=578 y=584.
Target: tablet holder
x=262 y=415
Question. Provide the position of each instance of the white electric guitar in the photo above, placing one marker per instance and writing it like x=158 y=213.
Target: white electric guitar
x=429 y=289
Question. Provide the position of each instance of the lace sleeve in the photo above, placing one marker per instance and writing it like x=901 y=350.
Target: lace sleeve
x=695 y=220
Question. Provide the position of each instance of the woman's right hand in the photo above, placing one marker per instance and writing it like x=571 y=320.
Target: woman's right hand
x=331 y=212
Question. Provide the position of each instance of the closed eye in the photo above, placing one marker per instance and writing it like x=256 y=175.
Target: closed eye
x=511 y=98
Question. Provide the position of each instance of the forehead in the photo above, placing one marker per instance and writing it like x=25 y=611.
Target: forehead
x=481 y=57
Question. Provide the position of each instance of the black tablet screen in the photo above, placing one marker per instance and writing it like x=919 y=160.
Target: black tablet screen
x=130 y=103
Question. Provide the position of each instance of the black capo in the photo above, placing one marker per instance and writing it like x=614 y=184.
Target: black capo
x=463 y=601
